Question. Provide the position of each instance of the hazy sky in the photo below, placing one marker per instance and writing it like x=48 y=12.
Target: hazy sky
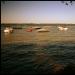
x=37 y=12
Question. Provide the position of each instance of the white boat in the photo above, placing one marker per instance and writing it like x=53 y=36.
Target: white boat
x=8 y=30
x=62 y=28
x=43 y=30
x=65 y=29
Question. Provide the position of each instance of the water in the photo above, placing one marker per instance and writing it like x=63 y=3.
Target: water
x=37 y=53
x=21 y=35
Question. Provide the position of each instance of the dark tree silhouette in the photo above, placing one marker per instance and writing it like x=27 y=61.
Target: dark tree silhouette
x=64 y=2
x=67 y=2
x=3 y=2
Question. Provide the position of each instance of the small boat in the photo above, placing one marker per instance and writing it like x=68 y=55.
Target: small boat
x=65 y=29
x=8 y=30
x=29 y=30
x=62 y=28
x=42 y=30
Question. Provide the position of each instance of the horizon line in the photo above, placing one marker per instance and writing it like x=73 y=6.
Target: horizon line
x=37 y=23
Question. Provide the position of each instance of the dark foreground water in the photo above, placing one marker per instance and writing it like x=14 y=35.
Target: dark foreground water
x=25 y=58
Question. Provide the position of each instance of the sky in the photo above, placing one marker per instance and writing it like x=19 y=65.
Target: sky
x=37 y=12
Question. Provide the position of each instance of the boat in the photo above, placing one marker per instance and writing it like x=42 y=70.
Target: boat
x=62 y=28
x=42 y=30
x=65 y=29
x=8 y=30
x=29 y=30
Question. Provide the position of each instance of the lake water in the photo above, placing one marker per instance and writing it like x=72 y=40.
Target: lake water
x=35 y=52
x=21 y=35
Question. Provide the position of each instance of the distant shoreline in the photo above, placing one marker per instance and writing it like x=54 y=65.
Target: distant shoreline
x=36 y=24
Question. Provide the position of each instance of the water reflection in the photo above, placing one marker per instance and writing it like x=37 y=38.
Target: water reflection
x=8 y=37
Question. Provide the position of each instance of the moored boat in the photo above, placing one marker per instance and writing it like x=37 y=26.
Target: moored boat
x=43 y=30
x=8 y=30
